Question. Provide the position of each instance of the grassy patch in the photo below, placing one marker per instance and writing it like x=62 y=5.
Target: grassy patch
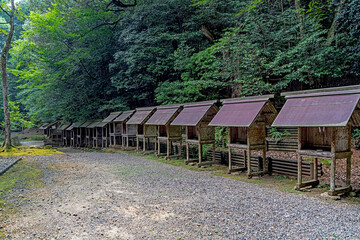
x=29 y=151
x=32 y=138
x=23 y=175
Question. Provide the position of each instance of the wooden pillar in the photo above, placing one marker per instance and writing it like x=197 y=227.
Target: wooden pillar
x=200 y=152
x=180 y=149
x=299 y=169
x=265 y=167
x=348 y=171
x=245 y=158
x=158 y=149
x=187 y=151
x=249 y=163
x=137 y=143
x=332 y=174
x=230 y=159
x=214 y=149
x=316 y=177
x=167 y=147
x=144 y=143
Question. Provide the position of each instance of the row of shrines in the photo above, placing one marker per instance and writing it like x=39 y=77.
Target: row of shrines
x=324 y=119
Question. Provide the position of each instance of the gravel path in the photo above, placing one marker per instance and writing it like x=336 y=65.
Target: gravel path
x=119 y=196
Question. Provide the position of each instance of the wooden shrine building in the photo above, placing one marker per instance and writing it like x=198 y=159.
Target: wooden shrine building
x=73 y=132
x=324 y=119
x=144 y=132
x=61 y=132
x=246 y=120
x=162 y=119
x=196 y=118
x=81 y=134
x=124 y=135
x=89 y=133
x=48 y=129
x=104 y=128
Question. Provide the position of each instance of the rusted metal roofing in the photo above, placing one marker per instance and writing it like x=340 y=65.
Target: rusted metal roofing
x=94 y=123
x=163 y=115
x=320 y=109
x=42 y=127
x=192 y=114
x=63 y=126
x=242 y=112
x=87 y=123
x=141 y=115
x=75 y=125
x=124 y=116
x=111 y=117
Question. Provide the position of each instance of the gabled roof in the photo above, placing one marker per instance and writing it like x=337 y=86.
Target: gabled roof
x=44 y=126
x=94 y=123
x=124 y=116
x=63 y=126
x=111 y=117
x=193 y=113
x=87 y=123
x=141 y=115
x=242 y=112
x=320 y=108
x=75 y=125
x=164 y=114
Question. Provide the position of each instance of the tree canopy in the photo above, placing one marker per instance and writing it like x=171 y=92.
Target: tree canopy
x=79 y=60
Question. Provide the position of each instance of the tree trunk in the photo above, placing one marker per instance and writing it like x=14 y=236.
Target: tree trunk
x=4 y=53
x=300 y=18
x=332 y=29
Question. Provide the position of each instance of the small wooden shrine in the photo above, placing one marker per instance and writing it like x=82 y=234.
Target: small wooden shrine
x=48 y=129
x=89 y=133
x=246 y=120
x=123 y=136
x=196 y=118
x=162 y=119
x=143 y=132
x=61 y=132
x=81 y=134
x=73 y=132
x=324 y=119
x=106 y=127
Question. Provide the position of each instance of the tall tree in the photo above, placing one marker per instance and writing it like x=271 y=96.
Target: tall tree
x=4 y=53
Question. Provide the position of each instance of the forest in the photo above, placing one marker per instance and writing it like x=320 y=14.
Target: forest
x=77 y=60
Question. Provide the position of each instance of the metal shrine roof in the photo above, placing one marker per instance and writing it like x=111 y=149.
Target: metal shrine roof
x=75 y=125
x=193 y=113
x=320 y=108
x=163 y=115
x=141 y=115
x=85 y=124
x=124 y=116
x=44 y=126
x=63 y=126
x=94 y=123
x=242 y=112
x=111 y=117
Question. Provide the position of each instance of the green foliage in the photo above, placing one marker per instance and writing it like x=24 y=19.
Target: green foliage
x=83 y=61
x=221 y=139
x=278 y=135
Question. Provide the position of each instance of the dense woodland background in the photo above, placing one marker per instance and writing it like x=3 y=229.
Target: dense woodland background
x=81 y=59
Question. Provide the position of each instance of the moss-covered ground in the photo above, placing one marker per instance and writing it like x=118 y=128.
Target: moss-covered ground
x=23 y=175
x=29 y=151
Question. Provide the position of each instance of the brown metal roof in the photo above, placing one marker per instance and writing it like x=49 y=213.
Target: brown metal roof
x=63 y=126
x=75 y=125
x=163 y=115
x=42 y=127
x=111 y=117
x=192 y=114
x=94 y=123
x=124 y=116
x=324 y=109
x=87 y=123
x=242 y=112
x=141 y=115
